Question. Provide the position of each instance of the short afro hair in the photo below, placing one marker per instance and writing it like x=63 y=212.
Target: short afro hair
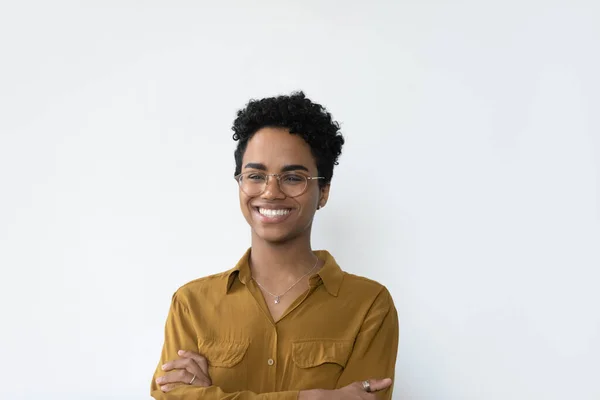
x=302 y=117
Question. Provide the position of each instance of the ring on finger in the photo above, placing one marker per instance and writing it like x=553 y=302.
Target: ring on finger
x=193 y=379
x=367 y=386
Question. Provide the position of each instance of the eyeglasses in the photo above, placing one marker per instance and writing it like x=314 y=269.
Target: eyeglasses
x=292 y=184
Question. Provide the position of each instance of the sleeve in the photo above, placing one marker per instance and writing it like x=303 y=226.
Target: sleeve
x=376 y=346
x=180 y=335
x=215 y=393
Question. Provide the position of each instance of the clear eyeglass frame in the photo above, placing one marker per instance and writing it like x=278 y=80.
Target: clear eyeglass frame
x=282 y=189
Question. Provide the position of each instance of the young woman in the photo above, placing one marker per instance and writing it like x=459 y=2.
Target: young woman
x=286 y=322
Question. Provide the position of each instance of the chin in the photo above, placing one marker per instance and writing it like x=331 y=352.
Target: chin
x=274 y=237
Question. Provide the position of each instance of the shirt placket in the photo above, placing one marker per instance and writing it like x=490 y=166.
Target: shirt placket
x=272 y=361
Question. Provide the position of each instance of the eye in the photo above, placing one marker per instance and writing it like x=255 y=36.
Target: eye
x=255 y=177
x=292 y=179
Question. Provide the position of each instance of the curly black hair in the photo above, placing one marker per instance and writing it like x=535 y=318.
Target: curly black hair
x=302 y=117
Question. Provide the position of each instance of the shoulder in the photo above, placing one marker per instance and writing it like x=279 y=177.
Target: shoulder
x=356 y=282
x=212 y=288
x=353 y=290
x=206 y=287
x=366 y=290
x=206 y=282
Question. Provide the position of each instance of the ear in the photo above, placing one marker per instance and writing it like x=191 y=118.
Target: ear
x=324 y=196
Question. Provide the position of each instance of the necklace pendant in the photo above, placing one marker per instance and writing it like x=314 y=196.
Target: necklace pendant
x=276 y=299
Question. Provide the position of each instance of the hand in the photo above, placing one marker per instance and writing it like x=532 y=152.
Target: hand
x=357 y=391
x=191 y=367
x=354 y=391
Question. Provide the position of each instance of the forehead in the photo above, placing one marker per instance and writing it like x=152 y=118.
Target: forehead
x=276 y=148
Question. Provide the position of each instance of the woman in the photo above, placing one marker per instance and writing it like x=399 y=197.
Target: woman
x=286 y=322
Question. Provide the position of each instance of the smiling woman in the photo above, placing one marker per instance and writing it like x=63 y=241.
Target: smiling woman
x=286 y=322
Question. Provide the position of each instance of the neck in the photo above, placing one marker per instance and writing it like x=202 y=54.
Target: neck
x=279 y=263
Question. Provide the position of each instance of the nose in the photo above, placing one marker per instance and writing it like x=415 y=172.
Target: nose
x=272 y=189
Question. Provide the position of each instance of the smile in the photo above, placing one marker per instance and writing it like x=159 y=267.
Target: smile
x=268 y=212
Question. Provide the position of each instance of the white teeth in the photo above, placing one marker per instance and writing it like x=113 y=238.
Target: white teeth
x=267 y=212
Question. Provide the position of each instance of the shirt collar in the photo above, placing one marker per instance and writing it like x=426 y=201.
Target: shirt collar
x=241 y=269
x=331 y=274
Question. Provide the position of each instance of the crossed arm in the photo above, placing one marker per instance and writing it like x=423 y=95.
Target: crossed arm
x=373 y=356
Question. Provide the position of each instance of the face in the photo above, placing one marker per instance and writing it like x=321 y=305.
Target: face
x=273 y=216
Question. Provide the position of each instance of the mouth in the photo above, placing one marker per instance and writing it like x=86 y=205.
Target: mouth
x=272 y=215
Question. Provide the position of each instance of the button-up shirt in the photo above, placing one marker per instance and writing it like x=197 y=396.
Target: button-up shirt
x=343 y=329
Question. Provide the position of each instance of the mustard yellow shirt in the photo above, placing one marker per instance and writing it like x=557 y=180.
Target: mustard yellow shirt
x=342 y=330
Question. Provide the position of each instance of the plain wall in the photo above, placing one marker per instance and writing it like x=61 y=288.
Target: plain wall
x=469 y=184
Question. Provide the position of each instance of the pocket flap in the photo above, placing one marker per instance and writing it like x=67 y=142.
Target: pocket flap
x=307 y=354
x=222 y=353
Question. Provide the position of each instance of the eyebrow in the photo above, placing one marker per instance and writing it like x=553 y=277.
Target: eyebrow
x=291 y=167
x=294 y=167
x=256 y=166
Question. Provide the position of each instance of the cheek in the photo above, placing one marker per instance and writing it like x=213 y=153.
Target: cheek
x=308 y=203
x=244 y=204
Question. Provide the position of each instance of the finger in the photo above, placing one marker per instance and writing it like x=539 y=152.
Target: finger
x=182 y=363
x=201 y=380
x=380 y=384
x=182 y=376
x=176 y=376
x=198 y=358
x=202 y=362
x=168 y=387
x=188 y=365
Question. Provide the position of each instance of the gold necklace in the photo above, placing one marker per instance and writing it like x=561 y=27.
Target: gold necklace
x=278 y=297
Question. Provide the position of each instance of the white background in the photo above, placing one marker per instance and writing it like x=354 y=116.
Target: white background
x=469 y=184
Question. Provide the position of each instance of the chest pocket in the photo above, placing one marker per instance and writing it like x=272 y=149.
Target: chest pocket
x=226 y=365
x=319 y=363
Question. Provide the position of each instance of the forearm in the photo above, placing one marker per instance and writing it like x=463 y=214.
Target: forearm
x=216 y=393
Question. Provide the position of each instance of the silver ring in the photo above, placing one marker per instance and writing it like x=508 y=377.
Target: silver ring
x=366 y=386
x=193 y=379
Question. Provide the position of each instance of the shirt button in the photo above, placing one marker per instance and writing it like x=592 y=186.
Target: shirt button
x=270 y=361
